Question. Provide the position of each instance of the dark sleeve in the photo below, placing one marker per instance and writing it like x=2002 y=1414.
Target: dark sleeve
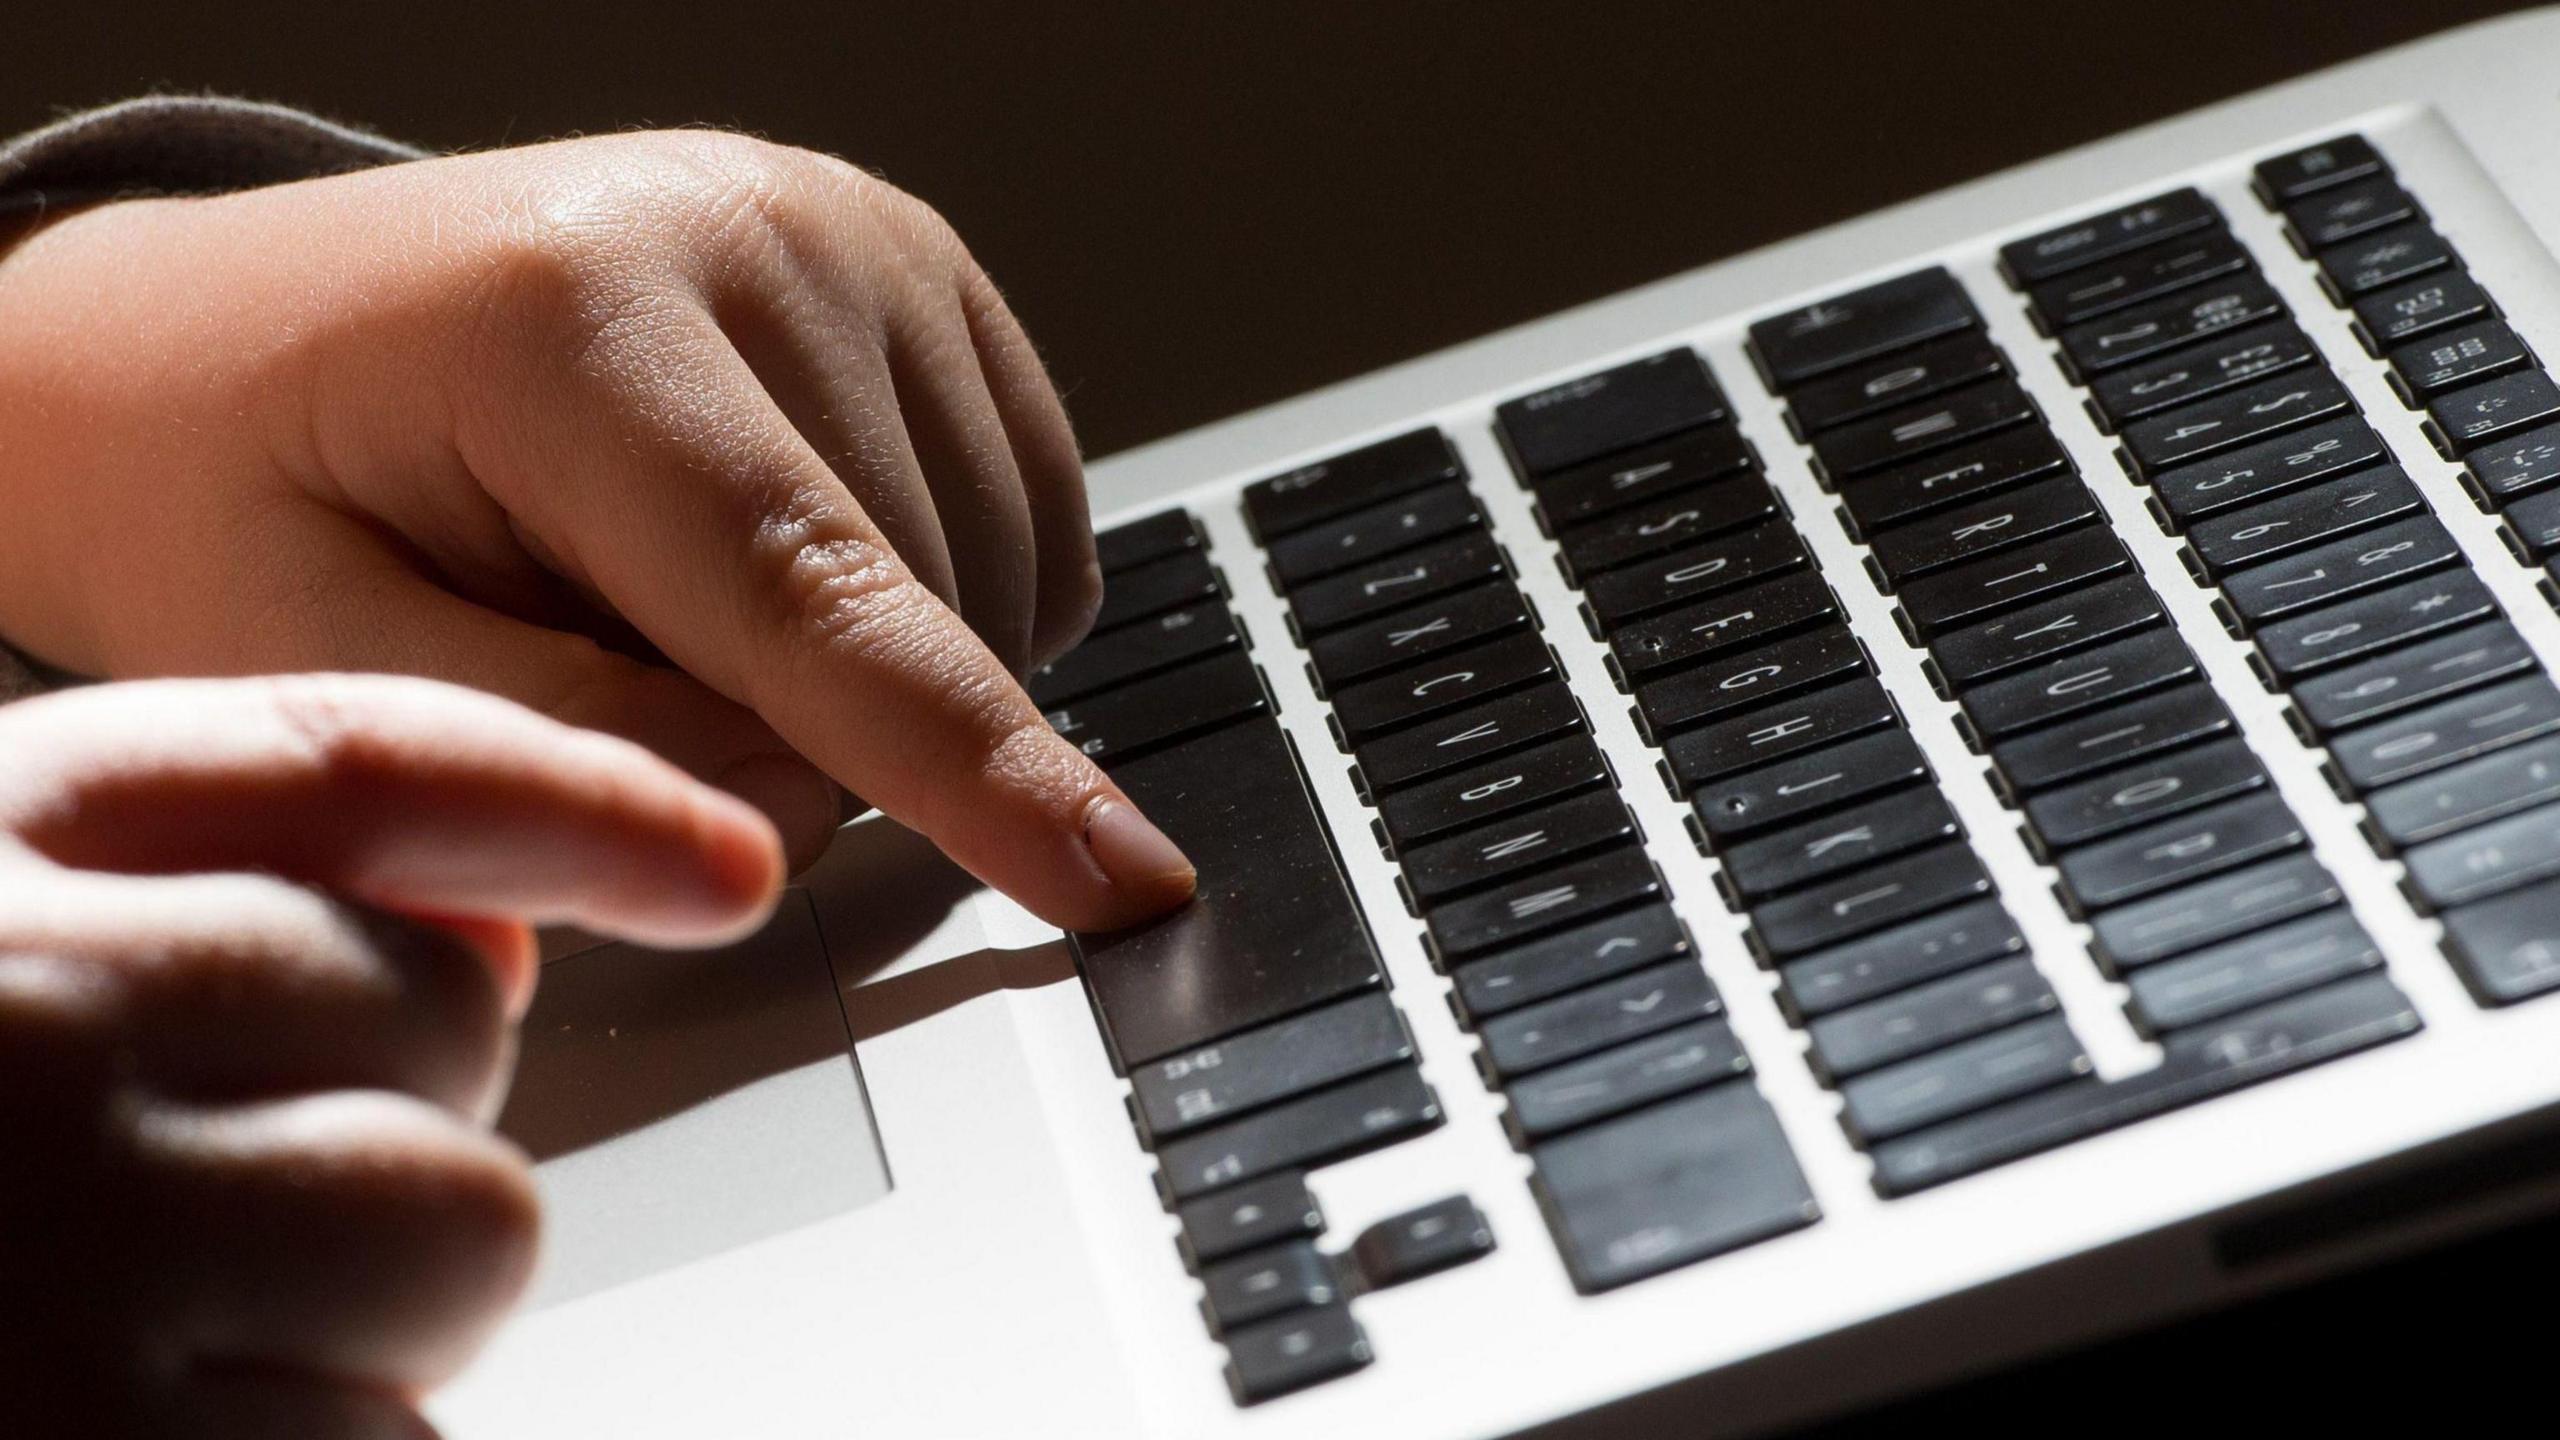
x=168 y=145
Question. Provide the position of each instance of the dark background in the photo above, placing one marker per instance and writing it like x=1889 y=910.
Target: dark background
x=1201 y=208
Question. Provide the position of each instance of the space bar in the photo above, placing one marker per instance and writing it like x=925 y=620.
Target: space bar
x=1273 y=929
x=2199 y=1063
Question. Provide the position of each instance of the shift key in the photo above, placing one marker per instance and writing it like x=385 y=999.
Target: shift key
x=1272 y=929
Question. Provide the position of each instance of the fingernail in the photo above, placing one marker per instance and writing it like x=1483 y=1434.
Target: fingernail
x=1142 y=861
x=795 y=795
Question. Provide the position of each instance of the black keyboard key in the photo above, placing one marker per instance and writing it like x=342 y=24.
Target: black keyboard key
x=1468 y=735
x=1775 y=732
x=2235 y=417
x=1887 y=894
x=1845 y=329
x=1620 y=1079
x=2199 y=1064
x=1874 y=503
x=2498 y=472
x=1925 y=1017
x=1351 y=481
x=1900 y=378
x=2532 y=527
x=1249 y=1216
x=1979 y=589
x=2446 y=733
x=1732 y=682
x=1896 y=958
x=1422 y=1241
x=1435 y=628
x=1753 y=800
x=2102 y=612
x=1118 y=725
x=1133 y=652
x=1570 y=959
x=1526 y=841
x=2179 y=851
x=1698 y=570
x=2093 y=679
x=1720 y=623
x=1141 y=591
x=1371 y=534
x=2424 y=369
x=2338 y=570
x=1485 y=792
x=1899 y=436
x=1670 y=1184
x=1292 y=1353
x=2291 y=176
x=2233 y=358
x=1273 y=929
x=2377 y=621
x=1817 y=850
x=2404 y=679
x=1666 y=524
x=2152 y=930
x=1571 y=1026
x=1438 y=686
x=2252 y=970
x=2132 y=279
x=2388 y=319
x=2492 y=409
x=1648 y=472
x=1543 y=902
x=2135 y=334
x=1291 y=1276
x=1595 y=415
x=2145 y=791
x=2507 y=949
x=2388 y=257
x=2300 y=519
x=2100 y=237
x=1406 y=579
x=1951 y=537
x=1167 y=532
x=2479 y=863
x=1962 y=1078
x=2459 y=797
x=1356 y=1115
x=1288 y=1057
x=2117 y=735
x=2269 y=467
x=2343 y=212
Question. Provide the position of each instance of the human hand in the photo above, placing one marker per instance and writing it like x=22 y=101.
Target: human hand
x=262 y=949
x=724 y=447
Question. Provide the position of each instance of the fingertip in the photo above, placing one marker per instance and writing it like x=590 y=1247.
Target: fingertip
x=1148 y=872
x=509 y=946
x=801 y=808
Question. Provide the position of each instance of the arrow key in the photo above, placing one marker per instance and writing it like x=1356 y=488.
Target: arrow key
x=1571 y=1026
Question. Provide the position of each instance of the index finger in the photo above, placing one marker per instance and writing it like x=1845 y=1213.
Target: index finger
x=711 y=524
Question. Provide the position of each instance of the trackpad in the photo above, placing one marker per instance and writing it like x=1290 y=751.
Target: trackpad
x=680 y=1105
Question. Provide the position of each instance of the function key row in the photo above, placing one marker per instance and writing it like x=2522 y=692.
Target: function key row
x=2436 y=715
x=2163 y=828
x=1514 y=848
x=1253 y=1025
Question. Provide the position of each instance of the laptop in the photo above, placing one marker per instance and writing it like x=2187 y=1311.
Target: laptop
x=1936 y=791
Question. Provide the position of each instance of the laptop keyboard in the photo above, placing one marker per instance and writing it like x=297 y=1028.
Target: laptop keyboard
x=1256 y=1027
